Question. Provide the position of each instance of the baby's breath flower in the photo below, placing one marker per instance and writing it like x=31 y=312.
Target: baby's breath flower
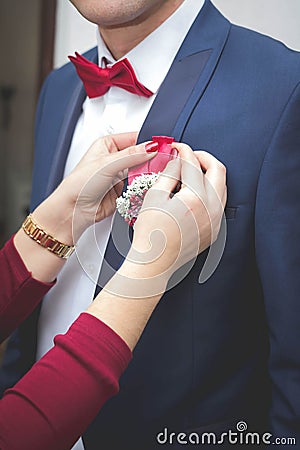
x=130 y=202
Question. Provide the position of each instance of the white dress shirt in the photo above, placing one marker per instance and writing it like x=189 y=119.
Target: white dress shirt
x=115 y=112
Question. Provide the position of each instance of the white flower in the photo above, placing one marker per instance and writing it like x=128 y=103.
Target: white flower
x=130 y=202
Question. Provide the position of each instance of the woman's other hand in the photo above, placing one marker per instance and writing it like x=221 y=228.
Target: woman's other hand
x=175 y=225
x=180 y=217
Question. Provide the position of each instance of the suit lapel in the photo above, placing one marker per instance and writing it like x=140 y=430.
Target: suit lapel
x=71 y=116
x=188 y=76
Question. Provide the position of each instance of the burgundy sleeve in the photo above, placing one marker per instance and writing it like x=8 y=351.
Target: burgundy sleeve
x=19 y=293
x=52 y=405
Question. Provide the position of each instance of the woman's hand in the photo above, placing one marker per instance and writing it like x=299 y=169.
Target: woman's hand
x=97 y=181
x=89 y=193
x=173 y=228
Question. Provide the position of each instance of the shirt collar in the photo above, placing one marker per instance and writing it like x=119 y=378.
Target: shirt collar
x=152 y=58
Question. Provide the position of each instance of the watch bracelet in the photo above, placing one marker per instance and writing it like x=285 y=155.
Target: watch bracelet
x=41 y=237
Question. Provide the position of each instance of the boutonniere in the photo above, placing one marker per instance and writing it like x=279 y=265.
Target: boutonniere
x=142 y=178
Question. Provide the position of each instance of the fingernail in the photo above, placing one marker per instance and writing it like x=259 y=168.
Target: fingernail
x=174 y=153
x=151 y=147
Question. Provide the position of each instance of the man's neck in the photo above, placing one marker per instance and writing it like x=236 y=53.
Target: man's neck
x=121 y=39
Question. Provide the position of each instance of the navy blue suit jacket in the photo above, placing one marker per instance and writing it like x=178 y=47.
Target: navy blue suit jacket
x=228 y=349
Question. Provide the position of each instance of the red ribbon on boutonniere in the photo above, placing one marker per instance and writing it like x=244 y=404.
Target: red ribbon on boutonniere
x=165 y=153
x=141 y=178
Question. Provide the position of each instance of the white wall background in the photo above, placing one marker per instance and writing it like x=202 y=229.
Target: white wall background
x=19 y=49
x=73 y=33
x=277 y=18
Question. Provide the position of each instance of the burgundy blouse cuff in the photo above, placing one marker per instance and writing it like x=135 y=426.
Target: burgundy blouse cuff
x=20 y=293
x=18 y=268
x=94 y=330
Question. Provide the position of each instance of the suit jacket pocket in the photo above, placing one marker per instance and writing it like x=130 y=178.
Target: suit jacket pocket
x=230 y=212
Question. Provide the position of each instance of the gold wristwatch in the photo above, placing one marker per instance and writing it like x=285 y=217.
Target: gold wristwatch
x=44 y=239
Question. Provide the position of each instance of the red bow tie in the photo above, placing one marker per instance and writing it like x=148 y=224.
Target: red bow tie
x=97 y=81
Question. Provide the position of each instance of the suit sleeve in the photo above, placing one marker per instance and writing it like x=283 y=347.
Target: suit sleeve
x=277 y=227
x=40 y=104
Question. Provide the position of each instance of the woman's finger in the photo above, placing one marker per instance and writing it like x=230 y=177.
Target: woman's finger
x=169 y=178
x=215 y=172
x=191 y=173
x=129 y=157
x=118 y=188
x=185 y=152
x=121 y=141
